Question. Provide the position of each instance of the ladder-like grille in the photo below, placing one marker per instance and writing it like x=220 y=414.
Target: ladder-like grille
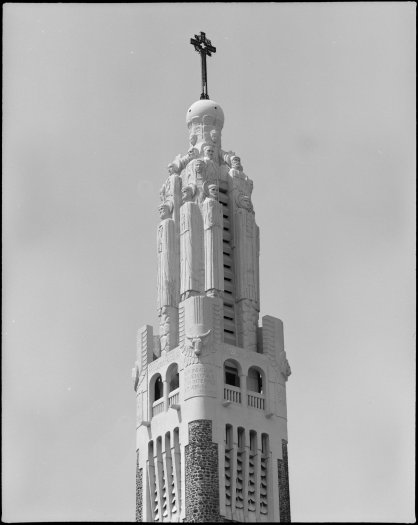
x=229 y=310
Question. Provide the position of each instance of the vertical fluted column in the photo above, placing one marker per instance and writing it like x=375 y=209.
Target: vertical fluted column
x=191 y=250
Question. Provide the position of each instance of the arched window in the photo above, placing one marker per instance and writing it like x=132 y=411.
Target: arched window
x=255 y=381
x=253 y=441
x=228 y=437
x=158 y=388
x=173 y=378
x=231 y=373
x=264 y=444
x=173 y=381
x=241 y=437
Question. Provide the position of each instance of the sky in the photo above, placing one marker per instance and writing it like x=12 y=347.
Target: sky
x=319 y=102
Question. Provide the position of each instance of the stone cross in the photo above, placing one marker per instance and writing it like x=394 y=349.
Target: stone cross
x=204 y=47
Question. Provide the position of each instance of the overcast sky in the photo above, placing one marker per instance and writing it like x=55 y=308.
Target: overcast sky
x=319 y=102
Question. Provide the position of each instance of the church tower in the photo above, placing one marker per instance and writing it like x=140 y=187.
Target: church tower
x=211 y=383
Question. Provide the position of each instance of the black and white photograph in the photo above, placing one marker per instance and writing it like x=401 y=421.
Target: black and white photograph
x=209 y=262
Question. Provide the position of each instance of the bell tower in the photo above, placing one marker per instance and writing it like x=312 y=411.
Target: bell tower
x=211 y=383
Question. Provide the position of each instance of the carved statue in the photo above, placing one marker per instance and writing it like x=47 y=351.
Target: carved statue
x=242 y=185
x=244 y=201
x=165 y=210
x=226 y=157
x=214 y=135
x=195 y=173
x=168 y=328
x=208 y=152
x=168 y=277
x=180 y=162
x=236 y=163
x=210 y=190
x=188 y=192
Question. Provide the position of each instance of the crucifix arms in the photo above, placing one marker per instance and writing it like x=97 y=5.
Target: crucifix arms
x=203 y=44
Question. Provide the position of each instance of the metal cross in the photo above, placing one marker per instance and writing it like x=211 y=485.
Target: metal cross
x=204 y=47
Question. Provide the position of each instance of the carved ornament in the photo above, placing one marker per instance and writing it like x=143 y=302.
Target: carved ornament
x=193 y=349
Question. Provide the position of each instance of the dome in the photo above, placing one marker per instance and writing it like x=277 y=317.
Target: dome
x=206 y=108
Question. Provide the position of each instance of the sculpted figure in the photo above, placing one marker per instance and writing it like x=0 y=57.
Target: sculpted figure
x=208 y=152
x=226 y=157
x=211 y=163
x=168 y=278
x=168 y=328
x=213 y=191
x=199 y=169
x=165 y=209
x=180 y=162
x=244 y=201
x=188 y=193
x=243 y=185
x=236 y=163
x=214 y=135
x=210 y=190
x=195 y=173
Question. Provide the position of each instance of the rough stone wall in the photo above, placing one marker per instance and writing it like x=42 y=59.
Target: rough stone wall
x=138 y=516
x=202 y=478
x=284 y=495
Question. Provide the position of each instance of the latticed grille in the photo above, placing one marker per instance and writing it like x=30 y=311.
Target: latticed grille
x=228 y=299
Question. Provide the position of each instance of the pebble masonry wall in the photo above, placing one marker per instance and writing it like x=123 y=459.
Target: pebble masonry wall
x=202 y=478
x=138 y=516
x=284 y=495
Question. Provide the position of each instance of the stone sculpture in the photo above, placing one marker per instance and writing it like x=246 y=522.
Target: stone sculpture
x=168 y=277
x=191 y=250
x=181 y=161
x=212 y=223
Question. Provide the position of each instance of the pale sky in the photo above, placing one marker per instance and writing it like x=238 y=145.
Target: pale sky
x=319 y=102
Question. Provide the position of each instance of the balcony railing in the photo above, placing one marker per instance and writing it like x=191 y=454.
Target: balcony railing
x=256 y=400
x=158 y=407
x=173 y=398
x=232 y=394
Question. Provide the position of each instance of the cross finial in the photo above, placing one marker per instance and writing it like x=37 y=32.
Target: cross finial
x=204 y=47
